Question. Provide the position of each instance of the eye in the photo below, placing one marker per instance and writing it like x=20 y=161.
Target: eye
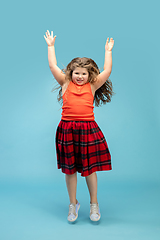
x=84 y=73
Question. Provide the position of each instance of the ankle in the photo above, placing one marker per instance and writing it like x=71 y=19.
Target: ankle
x=94 y=200
x=74 y=202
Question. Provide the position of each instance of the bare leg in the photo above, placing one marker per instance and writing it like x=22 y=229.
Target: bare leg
x=91 y=181
x=71 y=182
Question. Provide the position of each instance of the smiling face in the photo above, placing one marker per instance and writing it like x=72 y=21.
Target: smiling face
x=80 y=76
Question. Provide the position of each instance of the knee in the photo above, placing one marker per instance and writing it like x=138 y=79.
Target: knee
x=69 y=176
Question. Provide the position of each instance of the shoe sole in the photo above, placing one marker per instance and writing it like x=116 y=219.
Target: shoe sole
x=96 y=220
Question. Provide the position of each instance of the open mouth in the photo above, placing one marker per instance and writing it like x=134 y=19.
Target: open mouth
x=79 y=81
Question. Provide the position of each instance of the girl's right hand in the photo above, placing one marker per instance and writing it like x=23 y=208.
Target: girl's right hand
x=49 y=38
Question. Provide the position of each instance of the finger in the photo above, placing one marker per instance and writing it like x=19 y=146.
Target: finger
x=45 y=37
x=112 y=42
x=54 y=39
x=48 y=32
x=107 y=40
x=51 y=33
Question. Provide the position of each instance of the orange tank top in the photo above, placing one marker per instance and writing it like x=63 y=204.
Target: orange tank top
x=78 y=103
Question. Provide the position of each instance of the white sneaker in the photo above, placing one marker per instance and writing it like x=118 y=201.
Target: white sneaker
x=73 y=212
x=94 y=212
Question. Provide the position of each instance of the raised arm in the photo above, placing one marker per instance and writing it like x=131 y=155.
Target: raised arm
x=56 y=71
x=104 y=75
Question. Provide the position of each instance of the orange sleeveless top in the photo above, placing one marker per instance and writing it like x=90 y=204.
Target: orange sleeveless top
x=78 y=103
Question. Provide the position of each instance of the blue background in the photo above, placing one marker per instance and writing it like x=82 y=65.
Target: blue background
x=34 y=200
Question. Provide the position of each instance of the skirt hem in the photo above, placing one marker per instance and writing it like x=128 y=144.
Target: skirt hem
x=84 y=174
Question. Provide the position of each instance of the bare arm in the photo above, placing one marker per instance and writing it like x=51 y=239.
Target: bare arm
x=56 y=71
x=104 y=75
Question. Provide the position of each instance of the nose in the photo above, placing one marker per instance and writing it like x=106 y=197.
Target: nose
x=80 y=75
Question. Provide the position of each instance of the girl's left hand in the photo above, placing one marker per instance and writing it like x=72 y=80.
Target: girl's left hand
x=109 y=45
x=50 y=40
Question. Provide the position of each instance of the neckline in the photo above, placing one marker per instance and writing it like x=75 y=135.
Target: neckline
x=79 y=87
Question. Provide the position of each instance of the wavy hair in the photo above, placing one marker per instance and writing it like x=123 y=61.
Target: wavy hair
x=103 y=94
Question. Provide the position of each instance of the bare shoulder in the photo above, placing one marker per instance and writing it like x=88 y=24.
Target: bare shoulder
x=101 y=79
x=64 y=86
x=93 y=89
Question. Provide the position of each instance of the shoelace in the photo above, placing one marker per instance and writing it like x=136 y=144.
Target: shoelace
x=94 y=208
x=72 y=209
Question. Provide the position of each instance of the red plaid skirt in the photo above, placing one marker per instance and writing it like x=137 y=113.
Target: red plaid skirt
x=81 y=146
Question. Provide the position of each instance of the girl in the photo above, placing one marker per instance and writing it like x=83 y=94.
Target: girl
x=80 y=144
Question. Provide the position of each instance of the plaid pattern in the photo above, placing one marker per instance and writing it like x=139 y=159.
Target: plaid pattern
x=81 y=146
